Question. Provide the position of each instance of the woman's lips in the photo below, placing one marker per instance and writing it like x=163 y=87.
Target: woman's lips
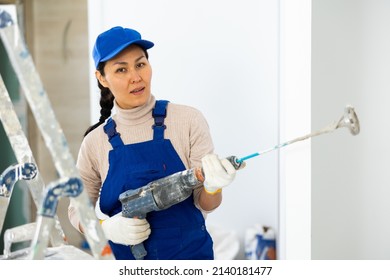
x=138 y=91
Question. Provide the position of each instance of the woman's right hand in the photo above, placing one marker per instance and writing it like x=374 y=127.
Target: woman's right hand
x=126 y=231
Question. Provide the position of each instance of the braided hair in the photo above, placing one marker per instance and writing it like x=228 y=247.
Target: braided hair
x=106 y=99
x=106 y=102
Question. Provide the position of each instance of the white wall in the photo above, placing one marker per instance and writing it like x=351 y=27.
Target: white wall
x=351 y=178
x=221 y=57
x=295 y=121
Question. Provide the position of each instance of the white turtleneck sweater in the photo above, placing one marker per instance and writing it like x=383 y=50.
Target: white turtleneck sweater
x=186 y=127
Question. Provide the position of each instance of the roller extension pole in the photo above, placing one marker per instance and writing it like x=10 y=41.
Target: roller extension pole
x=348 y=120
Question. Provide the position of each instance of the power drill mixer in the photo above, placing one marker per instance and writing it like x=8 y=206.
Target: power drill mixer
x=162 y=194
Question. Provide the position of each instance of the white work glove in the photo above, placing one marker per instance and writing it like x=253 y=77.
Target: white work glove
x=218 y=173
x=122 y=230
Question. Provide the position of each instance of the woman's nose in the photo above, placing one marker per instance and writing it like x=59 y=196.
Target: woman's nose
x=135 y=77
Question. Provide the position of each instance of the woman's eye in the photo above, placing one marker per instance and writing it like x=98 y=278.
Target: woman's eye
x=121 y=70
x=140 y=65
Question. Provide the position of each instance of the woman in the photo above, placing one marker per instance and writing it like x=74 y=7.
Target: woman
x=143 y=141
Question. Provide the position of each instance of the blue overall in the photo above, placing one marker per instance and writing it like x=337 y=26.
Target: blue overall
x=178 y=232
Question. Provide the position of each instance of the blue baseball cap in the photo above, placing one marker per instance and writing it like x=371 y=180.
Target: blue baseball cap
x=111 y=42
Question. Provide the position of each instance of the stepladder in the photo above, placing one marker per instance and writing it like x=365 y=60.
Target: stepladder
x=47 y=228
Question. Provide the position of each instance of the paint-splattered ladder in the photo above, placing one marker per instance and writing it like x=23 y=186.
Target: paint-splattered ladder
x=51 y=132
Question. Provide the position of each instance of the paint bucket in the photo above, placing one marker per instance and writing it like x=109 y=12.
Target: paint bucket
x=260 y=243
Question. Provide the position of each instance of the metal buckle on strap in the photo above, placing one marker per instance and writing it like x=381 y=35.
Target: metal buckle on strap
x=159 y=121
x=110 y=129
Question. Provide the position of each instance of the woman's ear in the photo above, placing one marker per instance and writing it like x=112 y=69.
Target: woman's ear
x=101 y=78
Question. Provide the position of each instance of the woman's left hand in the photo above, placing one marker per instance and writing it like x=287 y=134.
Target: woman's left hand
x=219 y=173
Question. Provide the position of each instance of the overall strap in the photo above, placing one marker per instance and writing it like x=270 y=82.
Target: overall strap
x=159 y=114
x=113 y=136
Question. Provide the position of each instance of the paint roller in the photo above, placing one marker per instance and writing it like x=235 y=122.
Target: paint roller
x=165 y=192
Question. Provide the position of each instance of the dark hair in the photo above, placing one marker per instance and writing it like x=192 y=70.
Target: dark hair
x=106 y=98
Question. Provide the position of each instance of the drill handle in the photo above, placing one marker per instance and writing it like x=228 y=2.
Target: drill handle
x=138 y=251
